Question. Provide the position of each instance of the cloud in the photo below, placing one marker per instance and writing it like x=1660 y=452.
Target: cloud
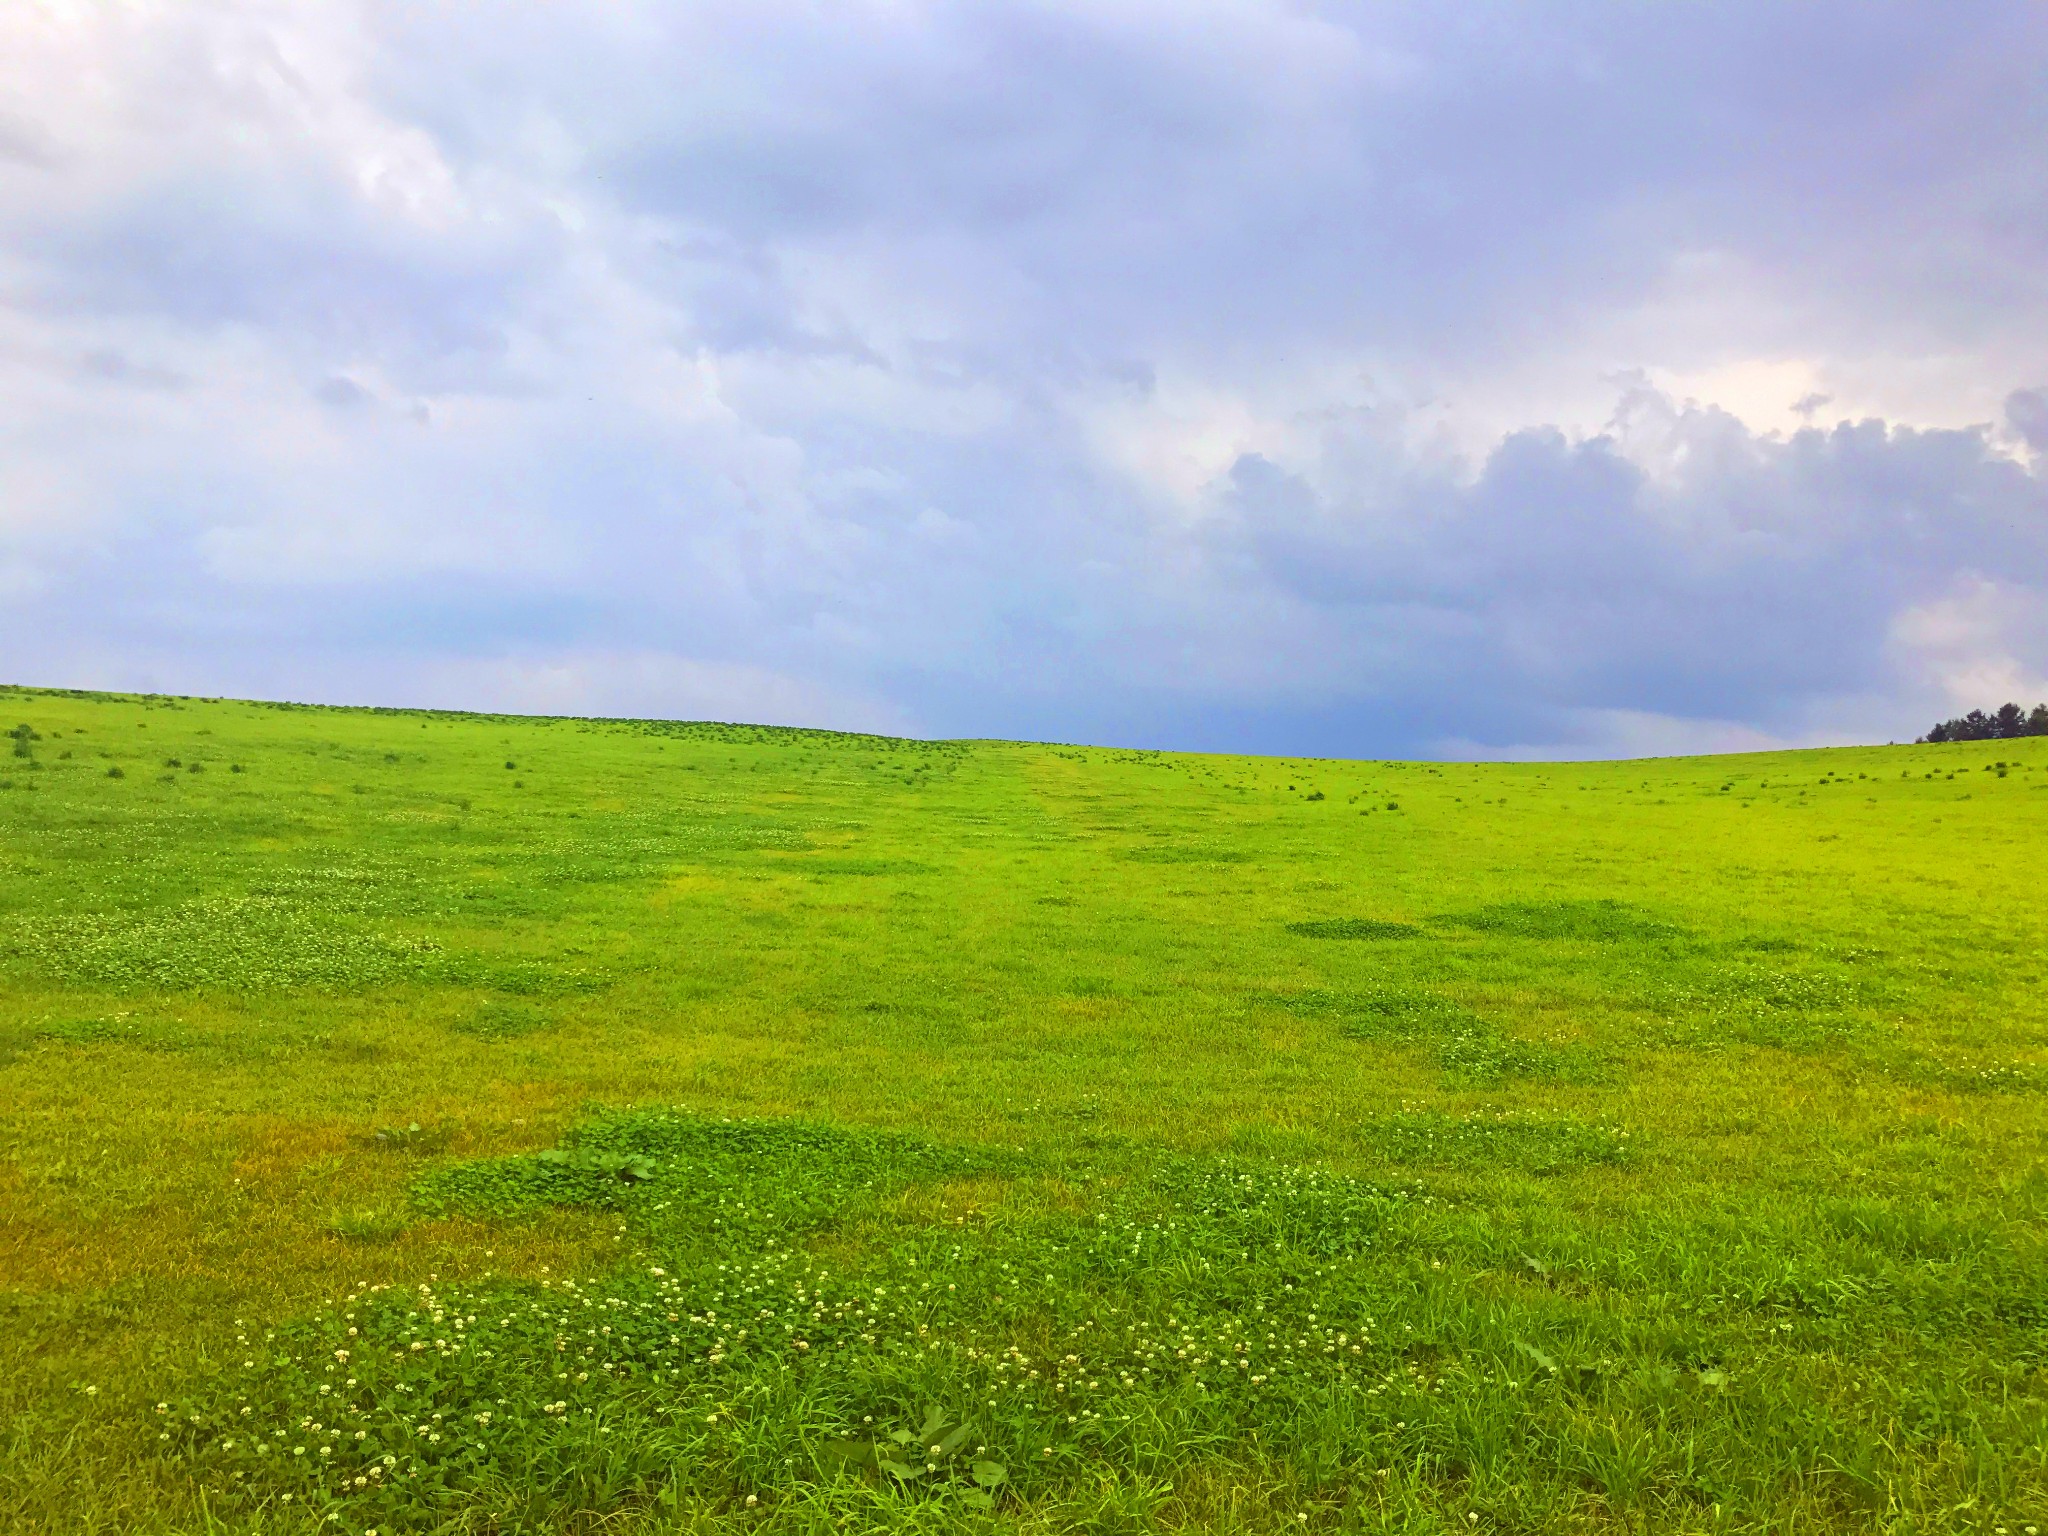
x=2026 y=412
x=1609 y=733
x=1346 y=375
x=644 y=685
x=1678 y=560
x=1980 y=638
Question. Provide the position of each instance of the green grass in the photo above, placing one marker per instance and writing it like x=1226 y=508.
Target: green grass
x=682 y=1126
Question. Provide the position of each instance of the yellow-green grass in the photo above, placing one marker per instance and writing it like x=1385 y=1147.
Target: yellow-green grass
x=1800 y=993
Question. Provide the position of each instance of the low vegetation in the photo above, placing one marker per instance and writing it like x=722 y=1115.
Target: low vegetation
x=451 y=1123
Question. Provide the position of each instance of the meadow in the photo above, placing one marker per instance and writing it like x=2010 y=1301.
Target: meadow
x=429 y=1122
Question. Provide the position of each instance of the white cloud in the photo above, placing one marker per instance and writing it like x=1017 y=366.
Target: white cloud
x=644 y=685
x=1979 y=641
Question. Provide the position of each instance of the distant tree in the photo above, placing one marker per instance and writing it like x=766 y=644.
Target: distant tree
x=2007 y=723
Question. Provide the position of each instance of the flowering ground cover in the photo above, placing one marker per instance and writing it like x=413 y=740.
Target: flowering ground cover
x=427 y=1122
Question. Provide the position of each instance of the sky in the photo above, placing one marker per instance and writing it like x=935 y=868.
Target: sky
x=1546 y=379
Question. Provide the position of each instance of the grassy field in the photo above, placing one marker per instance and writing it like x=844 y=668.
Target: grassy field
x=421 y=1122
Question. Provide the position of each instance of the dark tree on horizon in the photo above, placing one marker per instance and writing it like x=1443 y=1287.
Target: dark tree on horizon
x=2006 y=723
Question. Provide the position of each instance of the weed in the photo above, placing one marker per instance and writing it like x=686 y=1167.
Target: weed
x=367 y=1226
x=409 y=1138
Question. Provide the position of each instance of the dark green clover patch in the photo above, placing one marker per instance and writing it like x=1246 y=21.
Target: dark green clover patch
x=857 y=867
x=505 y=1019
x=1464 y=1043
x=1523 y=1142
x=1183 y=853
x=1601 y=921
x=1352 y=928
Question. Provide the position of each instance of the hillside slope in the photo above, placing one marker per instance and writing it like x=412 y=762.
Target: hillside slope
x=1679 y=1126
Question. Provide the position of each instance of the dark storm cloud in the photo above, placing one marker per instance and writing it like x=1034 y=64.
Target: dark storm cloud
x=1759 y=573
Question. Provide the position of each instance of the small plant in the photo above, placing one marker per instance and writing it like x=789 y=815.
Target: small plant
x=504 y=1019
x=410 y=1138
x=626 y=1167
x=366 y=1226
x=117 y=772
x=934 y=1456
x=23 y=736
